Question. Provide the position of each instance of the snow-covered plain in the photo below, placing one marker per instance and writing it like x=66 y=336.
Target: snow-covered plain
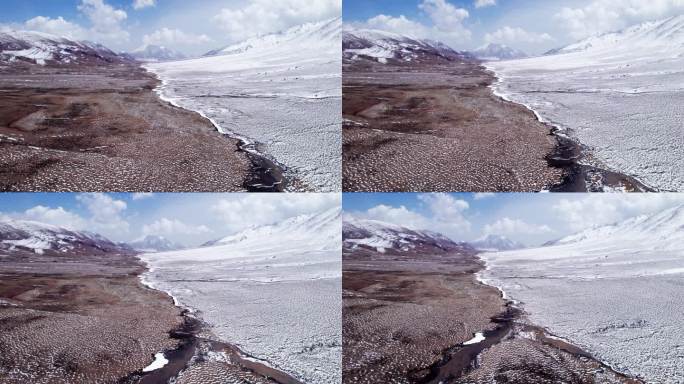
x=283 y=92
x=616 y=291
x=619 y=93
x=275 y=291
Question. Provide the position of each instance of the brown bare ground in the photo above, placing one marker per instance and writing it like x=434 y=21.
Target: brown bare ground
x=438 y=127
x=104 y=129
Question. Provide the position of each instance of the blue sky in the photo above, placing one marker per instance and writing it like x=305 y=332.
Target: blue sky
x=530 y=218
x=189 y=26
x=531 y=25
x=189 y=219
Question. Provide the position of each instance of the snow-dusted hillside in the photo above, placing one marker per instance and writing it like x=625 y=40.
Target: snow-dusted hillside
x=155 y=243
x=494 y=52
x=386 y=237
x=258 y=287
x=155 y=53
x=20 y=235
x=39 y=48
x=619 y=93
x=294 y=75
x=633 y=271
x=496 y=243
x=386 y=47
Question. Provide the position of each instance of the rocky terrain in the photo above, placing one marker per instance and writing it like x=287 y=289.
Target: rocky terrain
x=428 y=121
x=78 y=118
x=418 y=314
x=72 y=309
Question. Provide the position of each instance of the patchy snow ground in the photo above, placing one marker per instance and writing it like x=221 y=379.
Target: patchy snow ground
x=275 y=291
x=616 y=291
x=619 y=93
x=282 y=91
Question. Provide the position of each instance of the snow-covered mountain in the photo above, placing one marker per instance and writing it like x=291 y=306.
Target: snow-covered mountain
x=322 y=230
x=496 y=243
x=386 y=47
x=155 y=243
x=154 y=53
x=667 y=33
x=493 y=52
x=20 y=235
x=663 y=230
x=45 y=49
x=386 y=237
x=324 y=34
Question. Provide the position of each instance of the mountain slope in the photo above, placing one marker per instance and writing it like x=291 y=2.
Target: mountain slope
x=28 y=47
x=386 y=47
x=321 y=231
x=154 y=53
x=664 y=230
x=496 y=243
x=152 y=243
x=19 y=235
x=385 y=237
x=321 y=35
x=667 y=33
x=493 y=52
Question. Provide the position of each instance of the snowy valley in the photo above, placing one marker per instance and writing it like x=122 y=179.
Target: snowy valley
x=619 y=94
x=258 y=288
x=295 y=76
x=636 y=265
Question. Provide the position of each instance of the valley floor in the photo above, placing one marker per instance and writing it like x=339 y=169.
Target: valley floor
x=427 y=319
x=83 y=319
x=440 y=127
x=104 y=129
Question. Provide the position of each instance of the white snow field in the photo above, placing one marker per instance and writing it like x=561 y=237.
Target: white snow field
x=620 y=93
x=616 y=291
x=282 y=92
x=275 y=291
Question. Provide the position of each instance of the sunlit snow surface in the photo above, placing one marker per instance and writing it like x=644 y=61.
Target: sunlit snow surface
x=621 y=94
x=282 y=91
x=616 y=291
x=274 y=291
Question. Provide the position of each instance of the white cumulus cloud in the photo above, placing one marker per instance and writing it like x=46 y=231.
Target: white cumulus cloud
x=516 y=35
x=167 y=36
x=508 y=226
x=140 y=4
x=58 y=26
x=484 y=3
x=171 y=227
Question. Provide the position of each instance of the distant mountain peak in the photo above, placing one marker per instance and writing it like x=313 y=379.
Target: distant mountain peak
x=494 y=51
x=151 y=53
x=155 y=243
x=492 y=242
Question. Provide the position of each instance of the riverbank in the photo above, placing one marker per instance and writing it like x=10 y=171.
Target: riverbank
x=421 y=318
x=581 y=173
